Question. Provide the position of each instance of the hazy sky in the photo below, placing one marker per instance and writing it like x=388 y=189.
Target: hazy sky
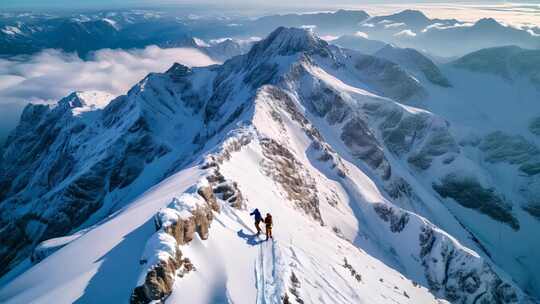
x=218 y=3
x=514 y=13
x=519 y=12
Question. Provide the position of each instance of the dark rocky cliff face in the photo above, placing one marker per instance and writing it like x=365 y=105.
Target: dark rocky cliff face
x=51 y=169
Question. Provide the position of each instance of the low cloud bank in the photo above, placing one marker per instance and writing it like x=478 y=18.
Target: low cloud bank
x=52 y=74
x=512 y=13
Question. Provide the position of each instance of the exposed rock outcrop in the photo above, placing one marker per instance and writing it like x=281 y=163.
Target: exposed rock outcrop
x=469 y=193
x=414 y=62
x=289 y=173
x=219 y=186
x=398 y=219
x=516 y=150
x=231 y=145
x=57 y=172
x=466 y=279
x=421 y=136
x=451 y=270
x=388 y=78
x=509 y=62
x=229 y=191
x=363 y=145
x=281 y=100
x=176 y=225
x=207 y=193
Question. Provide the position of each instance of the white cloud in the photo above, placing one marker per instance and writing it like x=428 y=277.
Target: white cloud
x=361 y=34
x=394 y=25
x=329 y=37
x=11 y=30
x=50 y=75
x=310 y=27
x=441 y=26
x=533 y=33
x=513 y=13
x=200 y=42
x=242 y=42
x=405 y=33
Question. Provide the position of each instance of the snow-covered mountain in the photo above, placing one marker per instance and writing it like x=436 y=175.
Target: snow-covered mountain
x=327 y=23
x=415 y=62
x=360 y=43
x=413 y=29
x=510 y=62
x=227 y=48
x=413 y=19
x=87 y=31
x=84 y=32
x=147 y=197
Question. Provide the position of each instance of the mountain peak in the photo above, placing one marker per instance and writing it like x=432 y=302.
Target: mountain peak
x=178 y=69
x=410 y=17
x=84 y=101
x=487 y=22
x=412 y=13
x=73 y=100
x=288 y=41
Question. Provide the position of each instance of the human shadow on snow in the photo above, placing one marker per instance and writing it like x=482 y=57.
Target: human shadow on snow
x=251 y=239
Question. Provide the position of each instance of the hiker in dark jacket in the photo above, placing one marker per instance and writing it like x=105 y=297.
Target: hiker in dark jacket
x=258 y=219
x=268 y=224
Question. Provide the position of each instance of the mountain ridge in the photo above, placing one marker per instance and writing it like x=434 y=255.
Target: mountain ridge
x=292 y=102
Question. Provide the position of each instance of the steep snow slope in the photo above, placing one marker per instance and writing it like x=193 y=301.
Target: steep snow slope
x=296 y=128
x=102 y=264
x=63 y=163
x=416 y=62
x=491 y=118
x=510 y=62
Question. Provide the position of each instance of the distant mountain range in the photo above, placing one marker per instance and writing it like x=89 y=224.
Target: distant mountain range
x=446 y=37
x=510 y=62
x=83 y=33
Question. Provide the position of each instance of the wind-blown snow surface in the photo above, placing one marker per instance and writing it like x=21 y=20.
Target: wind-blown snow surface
x=298 y=128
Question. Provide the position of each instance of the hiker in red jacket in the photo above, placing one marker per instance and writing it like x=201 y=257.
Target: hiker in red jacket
x=268 y=224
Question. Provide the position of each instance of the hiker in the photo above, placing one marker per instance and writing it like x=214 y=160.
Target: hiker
x=258 y=219
x=268 y=224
